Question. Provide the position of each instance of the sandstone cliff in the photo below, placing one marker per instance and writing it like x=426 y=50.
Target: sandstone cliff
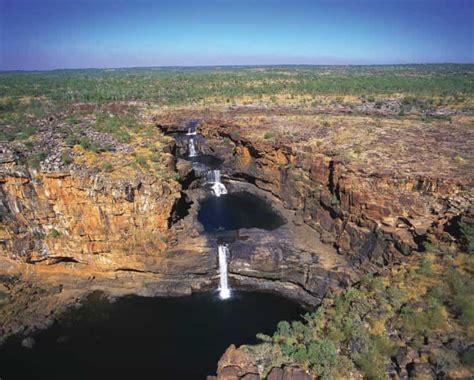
x=92 y=219
x=370 y=214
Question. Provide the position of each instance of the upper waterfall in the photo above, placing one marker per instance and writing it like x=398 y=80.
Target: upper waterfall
x=192 y=148
x=214 y=177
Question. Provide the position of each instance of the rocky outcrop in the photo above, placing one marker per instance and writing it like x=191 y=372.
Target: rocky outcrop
x=371 y=216
x=90 y=218
x=238 y=364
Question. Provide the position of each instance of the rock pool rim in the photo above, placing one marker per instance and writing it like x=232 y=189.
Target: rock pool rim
x=237 y=210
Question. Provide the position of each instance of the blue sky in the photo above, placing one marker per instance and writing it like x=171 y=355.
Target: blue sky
x=49 y=34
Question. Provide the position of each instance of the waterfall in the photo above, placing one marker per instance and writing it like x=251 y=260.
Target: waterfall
x=224 y=291
x=192 y=131
x=192 y=148
x=192 y=127
x=214 y=177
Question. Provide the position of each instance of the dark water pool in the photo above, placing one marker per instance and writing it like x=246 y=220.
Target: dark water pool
x=238 y=210
x=206 y=160
x=145 y=338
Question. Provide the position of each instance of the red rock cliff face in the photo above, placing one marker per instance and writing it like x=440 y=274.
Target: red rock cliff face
x=103 y=222
x=374 y=215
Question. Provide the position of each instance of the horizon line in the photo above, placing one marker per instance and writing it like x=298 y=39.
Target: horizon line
x=237 y=65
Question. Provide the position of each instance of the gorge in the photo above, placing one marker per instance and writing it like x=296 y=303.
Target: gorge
x=227 y=211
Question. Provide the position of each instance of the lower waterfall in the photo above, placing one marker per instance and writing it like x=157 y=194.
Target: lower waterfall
x=224 y=291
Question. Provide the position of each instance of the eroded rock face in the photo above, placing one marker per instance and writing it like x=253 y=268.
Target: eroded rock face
x=92 y=219
x=372 y=216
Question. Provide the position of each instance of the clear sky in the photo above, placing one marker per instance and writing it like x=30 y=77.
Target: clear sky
x=48 y=34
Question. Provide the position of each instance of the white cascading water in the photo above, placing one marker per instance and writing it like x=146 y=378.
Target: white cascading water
x=214 y=177
x=192 y=148
x=192 y=131
x=224 y=291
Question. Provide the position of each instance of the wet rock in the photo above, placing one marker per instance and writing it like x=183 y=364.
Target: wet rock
x=28 y=342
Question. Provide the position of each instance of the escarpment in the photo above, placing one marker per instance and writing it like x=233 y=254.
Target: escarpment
x=130 y=222
x=134 y=228
x=88 y=218
x=374 y=216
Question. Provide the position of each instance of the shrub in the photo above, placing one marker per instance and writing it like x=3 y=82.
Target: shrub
x=468 y=357
x=467 y=236
x=22 y=133
x=425 y=266
x=322 y=356
x=283 y=328
x=300 y=355
x=430 y=247
x=372 y=365
x=35 y=159
x=54 y=233
x=423 y=322
x=462 y=296
x=106 y=166
x=268 y=135
x=466 y=306
x=72 y=140
x=73 y=120
x=122 y=136
x=155 y=157
x=141 y=160
x=444 y=359
x=93 y=146
x=6 y=136
x=66 y=158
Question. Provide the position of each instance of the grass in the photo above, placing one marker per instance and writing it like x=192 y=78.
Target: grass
x=93 y=146
x=115 y=125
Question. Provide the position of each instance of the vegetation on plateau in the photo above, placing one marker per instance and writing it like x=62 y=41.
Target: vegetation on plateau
x=422 y=310
x=185 y=85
